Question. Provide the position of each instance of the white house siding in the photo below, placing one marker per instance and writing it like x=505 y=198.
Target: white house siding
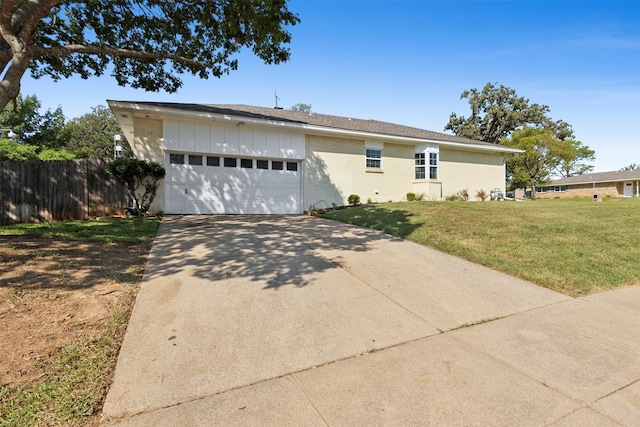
x=210 y=137
x=470 y=170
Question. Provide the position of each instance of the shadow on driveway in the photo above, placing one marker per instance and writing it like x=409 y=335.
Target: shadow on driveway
x=230 y=246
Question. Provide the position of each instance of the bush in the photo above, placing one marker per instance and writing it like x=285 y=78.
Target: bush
x=464 y=194
x=135 y=174
x=420 y=197
x=14 y=151
x=454 y=198
x=354 y=199
x=481 y=194
x=411 y=197
x=51 y=154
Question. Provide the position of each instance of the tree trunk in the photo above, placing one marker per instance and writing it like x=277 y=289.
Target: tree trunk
x=533 y=189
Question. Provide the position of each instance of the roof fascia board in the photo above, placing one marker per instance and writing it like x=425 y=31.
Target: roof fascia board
x=594 y=181
x=143 y=110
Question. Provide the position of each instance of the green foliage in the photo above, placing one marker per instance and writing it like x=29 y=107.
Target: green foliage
x=144 y=44
x=353 y=199
x=137 y=174
x=544 y=155
x=411 y=197
x=533 y=166
x=91 y=135
x=497 y=111
x=14 y=151
x=51 y=154
x=32 y=127
x=568 y=158
x=571 y=245
x=304 y=108
x=454 y=198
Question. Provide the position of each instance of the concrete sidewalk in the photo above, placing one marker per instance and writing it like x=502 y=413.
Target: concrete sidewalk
x=294 y=320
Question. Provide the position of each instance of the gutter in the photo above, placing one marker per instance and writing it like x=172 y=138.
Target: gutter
x=165 y=112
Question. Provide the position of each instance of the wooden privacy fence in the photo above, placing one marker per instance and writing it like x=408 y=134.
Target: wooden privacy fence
x=58 y=190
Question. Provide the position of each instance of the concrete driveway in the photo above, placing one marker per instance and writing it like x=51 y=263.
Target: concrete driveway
x=292 y=320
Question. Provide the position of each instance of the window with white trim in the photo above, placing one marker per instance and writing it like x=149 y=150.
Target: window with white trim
x=420 y=168
x=373 y=158
x=425 y=162
x=433 y=165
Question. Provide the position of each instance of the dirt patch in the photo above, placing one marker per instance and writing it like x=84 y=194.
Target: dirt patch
x=54 y=291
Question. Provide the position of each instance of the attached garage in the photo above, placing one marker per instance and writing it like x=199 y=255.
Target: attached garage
x=232 y=168
x=211 y=184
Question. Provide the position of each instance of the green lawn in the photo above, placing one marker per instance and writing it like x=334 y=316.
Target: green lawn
x=575 y=246
x=116 y=230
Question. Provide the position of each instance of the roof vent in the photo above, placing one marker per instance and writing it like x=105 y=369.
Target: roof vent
x=278 y=108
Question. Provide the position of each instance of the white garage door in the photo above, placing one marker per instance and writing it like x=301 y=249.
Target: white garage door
x=200 y=184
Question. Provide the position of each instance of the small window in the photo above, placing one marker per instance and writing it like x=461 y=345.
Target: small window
x=262 y=164
x=230 y=162
x=246 y=163
x=420 y=168
x=176 y=159
x=373 y=158
x=213 y=161
x=292 y=166
x=433 y=165
x=276 y=166
x=195 y=160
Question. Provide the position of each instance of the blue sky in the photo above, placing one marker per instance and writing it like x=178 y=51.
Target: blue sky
x=407 y=62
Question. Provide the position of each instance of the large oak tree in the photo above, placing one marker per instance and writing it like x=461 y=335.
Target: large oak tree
x=148 y=43
x=497 y=111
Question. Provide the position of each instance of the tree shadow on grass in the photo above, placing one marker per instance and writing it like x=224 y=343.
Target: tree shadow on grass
x=391 y=221
x=272 y=250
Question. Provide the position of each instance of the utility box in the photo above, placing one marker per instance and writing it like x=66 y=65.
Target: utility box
x=597 y=198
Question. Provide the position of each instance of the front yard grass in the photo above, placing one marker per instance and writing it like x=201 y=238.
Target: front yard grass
x=574 y=246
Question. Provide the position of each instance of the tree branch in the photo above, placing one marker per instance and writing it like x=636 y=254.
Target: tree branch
x=103 y=50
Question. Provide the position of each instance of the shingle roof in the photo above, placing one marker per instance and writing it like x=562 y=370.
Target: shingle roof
x=324 y=120
x=627 y=175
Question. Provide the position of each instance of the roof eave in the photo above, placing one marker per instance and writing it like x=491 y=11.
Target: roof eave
x=155 y=111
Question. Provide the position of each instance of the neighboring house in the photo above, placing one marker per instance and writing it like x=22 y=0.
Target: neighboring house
x=251 y=160
x=614 y=184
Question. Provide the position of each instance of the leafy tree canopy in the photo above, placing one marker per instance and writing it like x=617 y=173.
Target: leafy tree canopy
x=545 y=155
x=148 y=43
x=497 y=111
x=24 y=119
x=570 y=157
x=632 y=166
x=532 y=166
x=91 y=135
x=304 y=108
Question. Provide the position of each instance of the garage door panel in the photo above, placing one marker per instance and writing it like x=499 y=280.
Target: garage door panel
x=234 y=190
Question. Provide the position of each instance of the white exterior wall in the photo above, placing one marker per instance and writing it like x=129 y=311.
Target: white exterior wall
x=232 y=139
x=472 y=171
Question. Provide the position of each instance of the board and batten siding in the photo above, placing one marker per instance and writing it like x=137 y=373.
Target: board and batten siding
x=233 y=139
